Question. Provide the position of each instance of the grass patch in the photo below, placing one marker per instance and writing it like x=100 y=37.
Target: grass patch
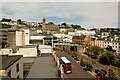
x=115 y=68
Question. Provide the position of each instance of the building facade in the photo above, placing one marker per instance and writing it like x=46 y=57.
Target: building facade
x=12 y=66
x=113 y=42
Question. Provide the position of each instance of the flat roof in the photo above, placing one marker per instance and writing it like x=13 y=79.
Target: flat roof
x=7 y=60
x=27 y=46
x=65 y=59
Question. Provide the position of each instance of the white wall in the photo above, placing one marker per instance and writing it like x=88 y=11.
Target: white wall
x=27 y=52
x=19 y=38
x=36 y=37
x=59 y=35
x=26 y=36
x=14 y=72
x=45 y=49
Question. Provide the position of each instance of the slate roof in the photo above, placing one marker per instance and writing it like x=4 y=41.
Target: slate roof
x=7 y=61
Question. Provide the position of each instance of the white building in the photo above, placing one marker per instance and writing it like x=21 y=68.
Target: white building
x=68 y=39
x=85 y=32
x=71 y=33
x=59 y=36
x=12 y=67
x=26 y=36
x=45 y=49
x=113 y=42
x=26 y=51
x=18 y=37
x=104 y=34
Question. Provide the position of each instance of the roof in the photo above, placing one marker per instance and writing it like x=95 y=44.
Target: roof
x=65 y=59
x=51 y=26
x=79 y=37
x=27 y=46
x=7 y=61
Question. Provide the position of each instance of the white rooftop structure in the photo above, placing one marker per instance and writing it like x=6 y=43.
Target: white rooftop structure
x=65 y=60
x=45 y=49
x=85 y=32
x=59 y=35
x=36 y=37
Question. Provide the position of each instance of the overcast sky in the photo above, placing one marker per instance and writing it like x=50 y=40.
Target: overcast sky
x=86 y=14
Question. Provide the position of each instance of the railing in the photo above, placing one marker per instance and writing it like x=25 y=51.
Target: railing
x=66 y=44
x=58 y=64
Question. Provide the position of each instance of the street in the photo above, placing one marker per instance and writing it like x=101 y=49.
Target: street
x=77 y=71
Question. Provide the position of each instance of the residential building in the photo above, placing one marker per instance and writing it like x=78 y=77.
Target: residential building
x=12 y=66
x=82 y=39
x=114 y=42
x=84 y=32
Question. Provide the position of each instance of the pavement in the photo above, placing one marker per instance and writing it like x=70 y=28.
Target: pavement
x=77 y=70
x=43 y=67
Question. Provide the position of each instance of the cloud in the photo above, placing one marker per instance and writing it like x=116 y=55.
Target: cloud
x=87 y=14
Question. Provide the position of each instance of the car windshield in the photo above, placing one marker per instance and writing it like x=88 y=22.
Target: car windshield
x=68 y=68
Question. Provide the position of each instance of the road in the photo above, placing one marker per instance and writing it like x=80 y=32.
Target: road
x=77 y=71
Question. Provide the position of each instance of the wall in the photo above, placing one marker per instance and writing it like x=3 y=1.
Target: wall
x=14 y=73
x=19 y=38
x=11 y=38
x=26 y=36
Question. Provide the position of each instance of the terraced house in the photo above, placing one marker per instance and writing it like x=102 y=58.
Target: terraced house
x=114 y=42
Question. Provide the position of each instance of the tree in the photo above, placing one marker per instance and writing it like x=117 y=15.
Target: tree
x=4 y=44
x=109 y=48
x=75 y=26
x=107 y=58
x=19 y=20
x=6 y=20
x=95 y=50
x=50 y=23
x=64 y=24
x=6 y=26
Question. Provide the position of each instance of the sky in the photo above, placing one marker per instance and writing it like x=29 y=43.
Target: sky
x=87 y=14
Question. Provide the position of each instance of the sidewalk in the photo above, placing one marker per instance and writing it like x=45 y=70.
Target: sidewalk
x=43 y=67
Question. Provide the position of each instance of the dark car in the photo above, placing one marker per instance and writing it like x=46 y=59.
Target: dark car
x=97 y=71
x=87 y=53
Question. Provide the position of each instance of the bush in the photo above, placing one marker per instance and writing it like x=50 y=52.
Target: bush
x=89 y=67
x=75 y=55
x=83 y=63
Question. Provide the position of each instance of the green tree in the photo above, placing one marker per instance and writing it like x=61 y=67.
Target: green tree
x=6 y=20
x=64 y=24
x=75 y=26
x=107 y=58
x=50 y=23
x=95 y=50
x=6 y=26
x=19 y=20
x=4 y=44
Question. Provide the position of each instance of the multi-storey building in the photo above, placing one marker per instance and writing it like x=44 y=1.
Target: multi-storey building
x=15 y=37
x=105 y=42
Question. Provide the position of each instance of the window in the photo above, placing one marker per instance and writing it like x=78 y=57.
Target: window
x=17 y=67
x=18 y=77
x=9 y=74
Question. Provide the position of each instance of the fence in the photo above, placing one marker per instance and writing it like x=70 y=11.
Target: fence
x=57 y=60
